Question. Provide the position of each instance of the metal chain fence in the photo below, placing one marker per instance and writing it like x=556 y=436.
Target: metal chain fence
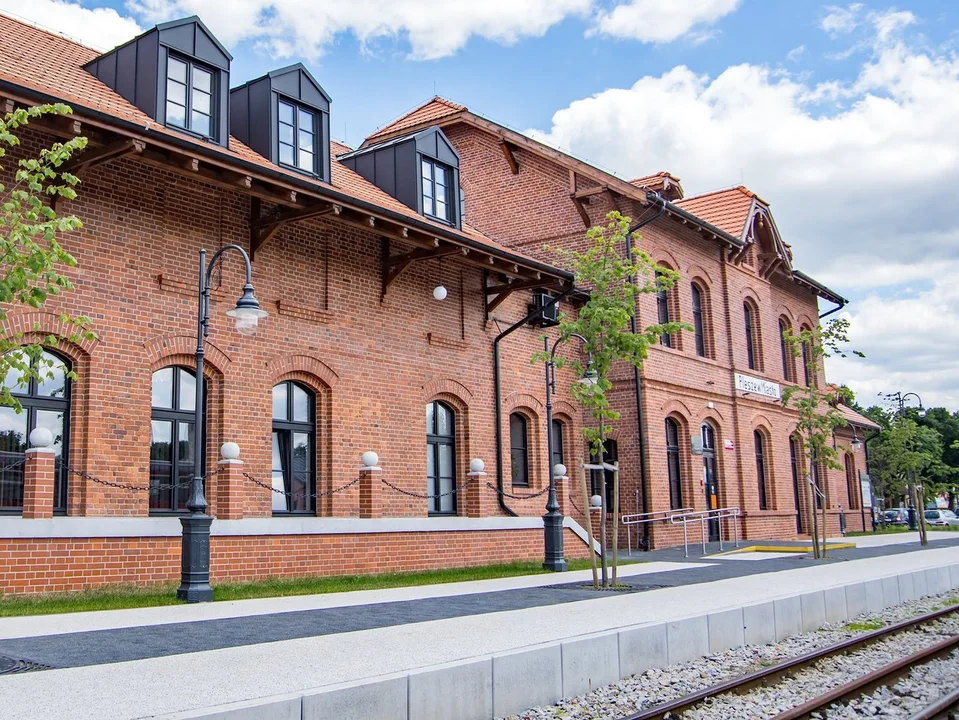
x=511 y=496
x=427 y=496
x=83 y=474
x=269 y=486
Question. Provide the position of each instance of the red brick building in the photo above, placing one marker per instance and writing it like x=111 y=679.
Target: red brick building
x=357 y=353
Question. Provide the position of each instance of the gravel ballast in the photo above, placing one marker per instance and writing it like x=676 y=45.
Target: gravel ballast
x=661 y=685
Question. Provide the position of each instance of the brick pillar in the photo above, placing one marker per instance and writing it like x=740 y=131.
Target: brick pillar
x=230 y=489
x=38 y=474
x=477 y=486
x=371 y=492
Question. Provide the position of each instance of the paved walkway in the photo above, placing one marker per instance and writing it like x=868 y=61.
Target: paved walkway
x=163 y=660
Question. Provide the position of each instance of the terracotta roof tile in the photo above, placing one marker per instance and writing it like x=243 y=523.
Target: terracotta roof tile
x=429 y=112
x=654 y=179
x=726 y=209
x=52 y=64
x=857 y=419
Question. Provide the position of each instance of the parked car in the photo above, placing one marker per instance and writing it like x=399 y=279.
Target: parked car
x=897 y=516
x=941 y=517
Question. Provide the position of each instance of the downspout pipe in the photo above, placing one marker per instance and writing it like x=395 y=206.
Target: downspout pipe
x=655 y=199
x=498 y=396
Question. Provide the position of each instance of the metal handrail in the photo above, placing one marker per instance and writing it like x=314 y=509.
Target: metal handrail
x=702 y=516
x=648 y=517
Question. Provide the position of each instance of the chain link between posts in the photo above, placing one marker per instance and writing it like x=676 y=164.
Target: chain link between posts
x=83 y=474
x=513 y=496
x=269 y=486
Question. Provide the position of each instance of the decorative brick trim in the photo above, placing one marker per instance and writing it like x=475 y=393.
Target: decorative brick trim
x=761 y=422
x=283 y=367
x=695 y=273
x=324 y=317
x=169 y=284
x=666 y=259
x=565 y=409
x=445 y=342
x=35 y=326
x=676 y=407
x=523 y=401
x=447 y=386
x=181 y=350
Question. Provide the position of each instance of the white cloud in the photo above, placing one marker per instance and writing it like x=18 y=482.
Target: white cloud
x=841 y=20
x=794 y=54
x=433 y=28
x=101 y=28
x=655 y=21
x=860 y=174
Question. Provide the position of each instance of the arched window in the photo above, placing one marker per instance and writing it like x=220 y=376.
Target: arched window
x=761 y=468
x=294 y=448
x=795 y=464
x=558 y=445
x=851 y=481
x=518 y=450
x=710 y=476
x=440 y=458
x=673 y=466
x=785 y=351
x=699 y=327
x=807 y=363
x=752 y=356
x=46 y=403
x=172 y=438
x=663 y=314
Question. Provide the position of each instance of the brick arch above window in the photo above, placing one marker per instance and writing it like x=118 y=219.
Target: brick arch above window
x=676 y=407
x=753 y=334
x=697 y=274
x=282 y=367
x=711 y=415
x=565 y=411
x=448 y=387
x=523 y=403
x=37 y=326
x=181 y=350
x=785 y=313
x=762 y=423
x=666 y=259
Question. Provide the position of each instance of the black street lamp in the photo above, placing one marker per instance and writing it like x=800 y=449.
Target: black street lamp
x=555 y=559
x=195 y=546
x=900 y=399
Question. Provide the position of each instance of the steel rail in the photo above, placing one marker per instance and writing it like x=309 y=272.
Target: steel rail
x=940 y=709
x=787 y=668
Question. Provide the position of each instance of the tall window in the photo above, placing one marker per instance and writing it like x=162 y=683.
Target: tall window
x=441 y=458
x=807 y=364
x=786 y=353
x=558 y=448
x=518 y=450
x=794 y=463
x=294 y=448
x=189 y=96
x=46 y=403
x=297 y=130
x=672 y=465
x=750 y=337
x=851 y=482
x=436 y=183
x=698 y=327
x=662 y=310
x=597 y=477
x=761 y=469
x=172 y=438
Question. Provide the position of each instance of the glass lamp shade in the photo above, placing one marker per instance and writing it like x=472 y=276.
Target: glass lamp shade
x=856 y=444
x=590 y=378
x=247 y=312
x=439 y=292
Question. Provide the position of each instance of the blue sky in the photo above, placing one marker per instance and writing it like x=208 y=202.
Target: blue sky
x=841 y=115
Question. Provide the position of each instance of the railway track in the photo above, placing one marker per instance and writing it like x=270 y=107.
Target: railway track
x=942 y=709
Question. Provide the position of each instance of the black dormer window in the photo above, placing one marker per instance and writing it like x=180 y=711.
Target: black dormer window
x=297 y=132
x=436 y=181
x=189 y=96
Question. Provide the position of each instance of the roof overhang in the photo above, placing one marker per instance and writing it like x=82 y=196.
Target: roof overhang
x=821 y=290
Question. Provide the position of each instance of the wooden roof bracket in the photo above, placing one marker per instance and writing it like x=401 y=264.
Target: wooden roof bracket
x=507 y=149
x=394 y=265
x=496 y=294
x=581 y=209
x=90 y=158
x=264 y=227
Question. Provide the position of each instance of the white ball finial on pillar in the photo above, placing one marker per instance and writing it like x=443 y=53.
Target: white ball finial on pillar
x=477 y=465
x=559 y=471
x=230 y=451
x=596 y=502
x=41 y=437
x=370 y=458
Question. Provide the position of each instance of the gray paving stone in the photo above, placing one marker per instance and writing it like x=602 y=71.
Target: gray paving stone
x=788 y=617
x=759 y=623
x=286 y=708
x=932 y=582
x=526 y=679
x=890 y=591
x=919 y=583
x=642 y=648
x=954 y=576
x=461 y=691
x=856 y=600
x=687 y=639
x=874 y=599
x=907 y=590
x=945 y=582
x=835 y=603
x=589 y=663
x=725 y=630
x=813 y=610
x=382 y=699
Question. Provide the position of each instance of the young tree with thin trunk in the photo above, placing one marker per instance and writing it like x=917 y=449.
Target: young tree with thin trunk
x=604 y=322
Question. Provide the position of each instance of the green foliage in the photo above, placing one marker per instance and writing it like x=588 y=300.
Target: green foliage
x=904 y=449
x=604 y=320
x=31 y=257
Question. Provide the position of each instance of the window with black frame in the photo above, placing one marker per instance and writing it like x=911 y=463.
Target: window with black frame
x=750 y=336
x=673 y=466
x=785 y=351
x=851 y=489
x=297 y=133
x=662 y=313
x=597 y=477
x=558 y=444
x=172 y=438
x=436 y=189
x=45 y=402
x=761 y=468
x=699 y=327
x=519 y=450
x=190 y=96
x=441 y=458
x=294 y=448
x=807 y=363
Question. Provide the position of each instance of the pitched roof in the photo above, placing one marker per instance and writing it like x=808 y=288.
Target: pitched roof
x=428 y=113
x=727 y=209
x=854 y=418
x=52 y=65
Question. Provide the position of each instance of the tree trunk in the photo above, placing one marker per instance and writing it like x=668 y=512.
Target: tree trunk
x=602 y=529
x=823 y=551
x=920 y=501
x=589 y=528
x=615 y=524
x=813 y=523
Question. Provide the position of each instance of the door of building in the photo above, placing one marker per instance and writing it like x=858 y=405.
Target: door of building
x=710 y=476
x=794 y=459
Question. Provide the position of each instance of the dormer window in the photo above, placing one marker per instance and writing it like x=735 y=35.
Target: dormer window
x=436 y=180
x=296 y=136
x=189 y=96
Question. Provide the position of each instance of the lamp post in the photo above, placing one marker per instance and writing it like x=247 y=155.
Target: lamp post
x=195 y=545
x=900 y=399
x=554 y=554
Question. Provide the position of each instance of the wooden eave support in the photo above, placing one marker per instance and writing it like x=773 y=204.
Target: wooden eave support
x=496 y=295
x=507 y=149
x=581 y=209
x=394 y=265
x=97 y=156
x=264 y=228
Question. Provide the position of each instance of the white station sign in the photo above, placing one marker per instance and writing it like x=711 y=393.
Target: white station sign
x=757 y=386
